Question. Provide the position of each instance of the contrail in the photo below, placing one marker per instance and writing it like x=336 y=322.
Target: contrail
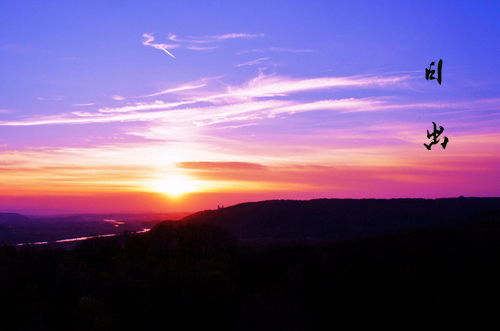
x=149 y=42
x=166 y=51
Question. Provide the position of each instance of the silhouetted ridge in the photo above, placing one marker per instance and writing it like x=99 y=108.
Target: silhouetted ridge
x=334 y=219
x=7 y=218
x=195 y=276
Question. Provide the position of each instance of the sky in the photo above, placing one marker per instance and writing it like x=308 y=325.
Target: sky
x=157 y=106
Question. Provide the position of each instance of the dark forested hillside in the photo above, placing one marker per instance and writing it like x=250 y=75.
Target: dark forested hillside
x=197 y=276
x=333 y=219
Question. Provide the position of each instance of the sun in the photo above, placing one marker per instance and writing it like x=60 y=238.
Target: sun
x=175 y=185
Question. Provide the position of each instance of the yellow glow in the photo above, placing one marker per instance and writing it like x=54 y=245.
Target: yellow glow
x=175 y=185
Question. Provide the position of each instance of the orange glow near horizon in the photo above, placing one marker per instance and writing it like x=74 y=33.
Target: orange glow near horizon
x=247 y=110
x=175 y=185
x=81 y=180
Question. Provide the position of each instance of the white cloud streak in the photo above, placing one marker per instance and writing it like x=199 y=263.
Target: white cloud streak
x=84 y=104
x=172 y=90
x=201 y=48
x=149 y=41
x=193 y=43
x=214 y=38
x=253 y=62
x=267 y=86
x=237 y=35
x=183 y=87
x=275 y=49
x=237 y=103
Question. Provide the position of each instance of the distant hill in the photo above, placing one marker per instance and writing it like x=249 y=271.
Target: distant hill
x=338 y=219
x=11 y=218
x=16 y=228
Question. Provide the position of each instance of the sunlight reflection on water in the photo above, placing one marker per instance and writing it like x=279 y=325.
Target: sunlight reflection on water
x=114 y=222
x=77 y=239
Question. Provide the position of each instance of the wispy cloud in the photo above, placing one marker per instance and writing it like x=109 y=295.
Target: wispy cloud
x=265 y=85
x=182 y=87
x=260 y=98
x=253 y=62
x=236 y=103
x=260 y=86
x=202 y=82
x=193 y=43
x=149 y=41
x=275 y=49
x=84 y=104
x=214 y=38
x=142 y=106
x=348 y=104
x=201 y=48
x=53 y=98
x=237 y=35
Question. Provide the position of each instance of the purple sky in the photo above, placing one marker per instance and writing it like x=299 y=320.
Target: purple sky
x=232 y=101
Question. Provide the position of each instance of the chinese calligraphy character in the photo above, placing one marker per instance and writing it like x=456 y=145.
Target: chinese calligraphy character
x=435 y=134
x=429 y=73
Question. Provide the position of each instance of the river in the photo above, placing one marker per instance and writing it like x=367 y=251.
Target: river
x=68 y=240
